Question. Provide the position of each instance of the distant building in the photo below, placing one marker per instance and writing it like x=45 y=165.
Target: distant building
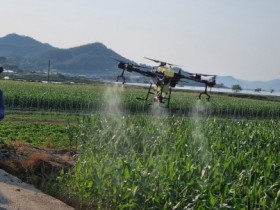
x=8 y=71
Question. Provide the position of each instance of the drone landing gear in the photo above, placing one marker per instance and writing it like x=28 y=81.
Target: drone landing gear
x=158 y=96
x=149 y=92
x=205 y=92
x=208 y=98
x=168 y=98
x=122 y=77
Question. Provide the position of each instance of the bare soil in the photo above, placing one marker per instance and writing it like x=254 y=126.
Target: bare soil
x=38 y=167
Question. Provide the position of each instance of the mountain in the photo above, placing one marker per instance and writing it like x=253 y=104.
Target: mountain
x=26 y=54
x=92 y=60
x=228 y=81
x=22 y=46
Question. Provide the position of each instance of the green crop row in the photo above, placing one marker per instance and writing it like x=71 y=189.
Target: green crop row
x=84 y=98
x=169 y=162
x=48 y=133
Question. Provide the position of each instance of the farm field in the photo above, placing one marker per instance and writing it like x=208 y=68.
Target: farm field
x=85 y=98
x=218 y=155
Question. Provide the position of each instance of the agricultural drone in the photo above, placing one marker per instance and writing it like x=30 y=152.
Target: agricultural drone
x=165 y=78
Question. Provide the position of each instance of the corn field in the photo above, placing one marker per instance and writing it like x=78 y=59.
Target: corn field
x=85 y=99
x=169 y=162
x=196 y=155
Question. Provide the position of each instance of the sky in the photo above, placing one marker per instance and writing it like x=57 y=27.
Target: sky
x=239 y=38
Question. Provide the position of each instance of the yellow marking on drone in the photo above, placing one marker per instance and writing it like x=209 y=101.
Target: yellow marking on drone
x=166 y=71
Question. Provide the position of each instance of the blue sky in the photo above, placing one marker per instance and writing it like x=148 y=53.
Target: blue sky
x=240 y=38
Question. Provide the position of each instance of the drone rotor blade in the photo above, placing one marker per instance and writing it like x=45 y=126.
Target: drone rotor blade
x=157 y=61
x=161 y=62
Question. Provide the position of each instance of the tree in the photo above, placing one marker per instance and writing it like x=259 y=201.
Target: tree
x=258 y=90
x=236 y=88
x=220 y=85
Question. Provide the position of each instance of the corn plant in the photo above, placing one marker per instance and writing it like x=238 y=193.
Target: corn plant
x=142 y=162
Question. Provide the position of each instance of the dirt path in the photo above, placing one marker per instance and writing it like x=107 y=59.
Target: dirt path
x=15 y=194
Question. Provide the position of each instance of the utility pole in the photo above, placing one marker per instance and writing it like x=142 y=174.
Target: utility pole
x=49 y=69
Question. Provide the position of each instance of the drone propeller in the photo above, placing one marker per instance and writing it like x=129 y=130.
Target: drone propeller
x=162 y=63
x=131 y=64
x=206 y=75
x=1 y=69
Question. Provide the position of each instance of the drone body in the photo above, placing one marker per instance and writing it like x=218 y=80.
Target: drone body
x=164 y=79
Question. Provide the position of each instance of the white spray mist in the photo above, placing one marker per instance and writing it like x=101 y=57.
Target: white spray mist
x=157 y=110
x=112 y=100
x=199 y=114
x=158 y=121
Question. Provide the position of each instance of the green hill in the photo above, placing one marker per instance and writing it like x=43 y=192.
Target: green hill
x=26 y=54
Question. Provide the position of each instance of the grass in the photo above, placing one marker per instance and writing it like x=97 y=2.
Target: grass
x=49 y=131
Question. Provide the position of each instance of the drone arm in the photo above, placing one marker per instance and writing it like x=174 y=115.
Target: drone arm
x=133 y=68
x=145 y=73
x=197 y=78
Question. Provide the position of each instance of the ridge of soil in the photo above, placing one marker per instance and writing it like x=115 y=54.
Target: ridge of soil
x=38 y=166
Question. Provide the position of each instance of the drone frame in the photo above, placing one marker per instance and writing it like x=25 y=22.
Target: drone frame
x=163 y=80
